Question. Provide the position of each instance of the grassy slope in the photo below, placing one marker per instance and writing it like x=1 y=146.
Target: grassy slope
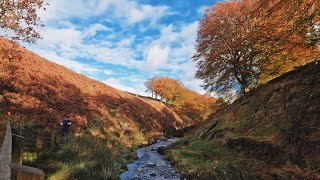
x=272 y=131
x=45 y=92
x=107 y=123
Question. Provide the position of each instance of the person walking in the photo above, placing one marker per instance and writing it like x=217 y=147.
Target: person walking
x=66 y=123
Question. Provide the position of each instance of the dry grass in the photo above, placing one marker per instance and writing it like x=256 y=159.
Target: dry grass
x=45 y=92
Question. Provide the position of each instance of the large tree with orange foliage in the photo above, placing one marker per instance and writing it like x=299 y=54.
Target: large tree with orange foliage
x=19 y=19
x=242 y=43
x=226 y=54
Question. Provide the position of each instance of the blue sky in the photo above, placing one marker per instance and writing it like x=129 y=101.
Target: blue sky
x=123 y=43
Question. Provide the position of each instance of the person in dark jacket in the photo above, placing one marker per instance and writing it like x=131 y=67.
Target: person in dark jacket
x=66 y=123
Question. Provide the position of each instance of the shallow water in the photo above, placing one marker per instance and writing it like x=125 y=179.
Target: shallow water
x=151 y=165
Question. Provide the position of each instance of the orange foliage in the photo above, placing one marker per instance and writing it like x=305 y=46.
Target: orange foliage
x=243 y=43
x=37 y=90
x=19 y=19
x=287 y=25
x=226 y=47
x=183 y=100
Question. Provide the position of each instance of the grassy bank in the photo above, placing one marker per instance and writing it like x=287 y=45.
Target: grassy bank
x=92 y=153
x=197 y=157
x=85 y=157
x=272 y=132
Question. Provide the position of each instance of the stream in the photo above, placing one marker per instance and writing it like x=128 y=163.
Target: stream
x=151 y=165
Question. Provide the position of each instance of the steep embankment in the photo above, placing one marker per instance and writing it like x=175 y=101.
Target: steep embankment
x=273 y=131
x=41 y=91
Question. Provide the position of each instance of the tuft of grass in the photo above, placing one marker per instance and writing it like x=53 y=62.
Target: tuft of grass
x=29 y=157
x=139 y=138
x=112 y=112
x=96 y=123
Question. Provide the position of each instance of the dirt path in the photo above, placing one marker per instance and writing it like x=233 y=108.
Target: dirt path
x=150 y=165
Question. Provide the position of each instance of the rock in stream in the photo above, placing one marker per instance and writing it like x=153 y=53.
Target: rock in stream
x=150 y=165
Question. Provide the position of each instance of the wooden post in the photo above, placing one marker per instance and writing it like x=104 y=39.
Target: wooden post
x=52 y=140
x=21 y=143
x=37 y=143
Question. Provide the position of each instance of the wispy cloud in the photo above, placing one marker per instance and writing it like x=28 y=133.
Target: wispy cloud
x=127 y=11
x=117 y=84
x=74 y=65
x=107 y=72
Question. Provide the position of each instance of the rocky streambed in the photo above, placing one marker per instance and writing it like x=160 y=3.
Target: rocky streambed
x=151 y=165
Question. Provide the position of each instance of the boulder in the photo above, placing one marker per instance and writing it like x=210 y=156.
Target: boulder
x=161 y=150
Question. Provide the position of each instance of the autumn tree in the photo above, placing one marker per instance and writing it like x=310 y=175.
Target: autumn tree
x=226 y=54
x=19 y=19
x=163 y=87
x=242 y=43
x=183 y=100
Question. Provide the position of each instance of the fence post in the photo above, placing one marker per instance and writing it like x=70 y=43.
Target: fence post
x=37 y=143
x=21 y=143
x=52 y=140
x=5 y=155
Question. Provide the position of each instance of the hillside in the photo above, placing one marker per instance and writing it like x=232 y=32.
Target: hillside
x=40 y=91
x=272 y=132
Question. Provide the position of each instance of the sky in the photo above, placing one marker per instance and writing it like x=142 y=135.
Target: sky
x=123 y=43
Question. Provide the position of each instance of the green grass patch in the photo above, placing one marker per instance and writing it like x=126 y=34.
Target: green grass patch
x=202 y=156
x=85 y=157
x=199 y=156
x=90 y=154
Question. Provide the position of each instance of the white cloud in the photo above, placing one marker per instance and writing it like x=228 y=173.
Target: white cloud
x=133 y=12
x=63 y=37
x=72 y=43
x=64 y=42
x=129 y=11
x=117 y=84
x=74 y=65
x=117 y=55
x=145 y=12
x=126 y=41
x=181 y=43
x=94 y=28
x=157 y=57
x=107 y=72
